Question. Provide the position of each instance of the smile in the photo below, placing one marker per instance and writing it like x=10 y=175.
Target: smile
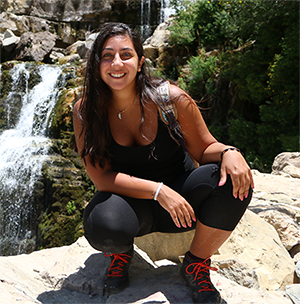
x=117 y=75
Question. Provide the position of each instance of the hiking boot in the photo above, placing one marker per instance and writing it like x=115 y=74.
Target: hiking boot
x=195 y=272
x=116 y=277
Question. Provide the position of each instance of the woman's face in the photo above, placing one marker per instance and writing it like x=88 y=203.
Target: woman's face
x=119 y=63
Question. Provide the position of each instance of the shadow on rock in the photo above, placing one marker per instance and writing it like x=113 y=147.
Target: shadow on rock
x=86 y=285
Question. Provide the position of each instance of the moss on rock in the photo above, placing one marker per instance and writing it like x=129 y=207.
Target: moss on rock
x=65 y=184
x=62 y=122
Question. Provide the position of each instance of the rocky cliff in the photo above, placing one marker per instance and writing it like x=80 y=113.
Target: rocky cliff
x=87 y=12
x=70 y=20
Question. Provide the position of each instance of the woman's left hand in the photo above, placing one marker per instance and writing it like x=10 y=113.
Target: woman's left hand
x=233 y=163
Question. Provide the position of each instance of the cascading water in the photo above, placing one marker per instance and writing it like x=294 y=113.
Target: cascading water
x=166 y=11
x=23 y=148
x=145 y=18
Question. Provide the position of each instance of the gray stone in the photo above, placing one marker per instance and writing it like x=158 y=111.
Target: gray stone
x=73 y=48
x=257 y=244
x=69 y=58
x=10 y=41
x=275 y=185
x=276 y=199
x=297 y=269
x=8 y=22
x=288 y=164
x=73 y=274
x=20 y=6
x=35 y=47
x=160 y=36
x=293 y=291
x=165 y=245
x=236 y=270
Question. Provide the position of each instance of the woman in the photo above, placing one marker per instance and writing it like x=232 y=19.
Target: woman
x=145 y=178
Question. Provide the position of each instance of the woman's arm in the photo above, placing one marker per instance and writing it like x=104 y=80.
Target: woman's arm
x=205 y=148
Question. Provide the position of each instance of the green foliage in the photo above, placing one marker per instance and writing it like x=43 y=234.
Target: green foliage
x=91 y=192
x=203 y=70
x=247 y=138
x=70 y=207
x=252 y=85
x=201 y=23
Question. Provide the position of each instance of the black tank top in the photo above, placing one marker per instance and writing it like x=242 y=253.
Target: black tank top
x=163 y=160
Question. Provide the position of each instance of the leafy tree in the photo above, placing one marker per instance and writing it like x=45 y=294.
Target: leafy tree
x=254 y=77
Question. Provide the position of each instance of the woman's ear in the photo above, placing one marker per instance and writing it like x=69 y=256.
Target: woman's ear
x=141 y=63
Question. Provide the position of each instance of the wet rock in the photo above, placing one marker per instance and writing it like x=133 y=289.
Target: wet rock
x=35 y=47
x=10 y=41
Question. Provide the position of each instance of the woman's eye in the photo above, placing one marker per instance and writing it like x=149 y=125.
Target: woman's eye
x=106 y=56
x=126 y=56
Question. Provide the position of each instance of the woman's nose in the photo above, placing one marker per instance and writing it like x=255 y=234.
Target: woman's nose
x=117 y=60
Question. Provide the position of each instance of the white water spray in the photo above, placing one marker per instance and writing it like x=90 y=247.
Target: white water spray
x=145 y=18
x=22 y=151
x=166 y=11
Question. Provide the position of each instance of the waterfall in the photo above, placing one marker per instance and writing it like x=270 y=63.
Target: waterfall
x=145 y=18
x=23 y=147
x=166 y=11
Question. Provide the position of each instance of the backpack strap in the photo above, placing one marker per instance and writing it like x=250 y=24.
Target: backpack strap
x=168 y=111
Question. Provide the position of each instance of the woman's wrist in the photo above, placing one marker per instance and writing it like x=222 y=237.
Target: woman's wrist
x=157 y=191
x=230 y=149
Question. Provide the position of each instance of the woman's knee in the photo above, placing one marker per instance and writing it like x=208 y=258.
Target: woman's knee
x=200 y=184
x=222 y=210
x=110 y=224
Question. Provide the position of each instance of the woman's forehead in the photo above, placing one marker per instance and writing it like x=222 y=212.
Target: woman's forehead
x=119 y=40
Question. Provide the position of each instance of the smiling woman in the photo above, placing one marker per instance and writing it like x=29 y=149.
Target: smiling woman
x=146 y=180
x=119 y=66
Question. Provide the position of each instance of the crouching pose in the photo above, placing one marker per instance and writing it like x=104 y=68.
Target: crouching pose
x=135 y=134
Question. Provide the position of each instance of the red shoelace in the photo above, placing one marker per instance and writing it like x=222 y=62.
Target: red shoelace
x=117 y=264
x=201 y=270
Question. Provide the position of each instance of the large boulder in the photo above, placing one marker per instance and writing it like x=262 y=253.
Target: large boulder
x=70 y=11
x=20 y=6
x=82 y=48
x=287 y=164
x=258 y=245
x=253 y=251
x=160 y=36
x=74 y=274
x=169 y=246
x=66 y=33
x=276 y=199
x=160 y=52
x=13 y=23
x=10 y=41
x=20 y=24
x=35 y=47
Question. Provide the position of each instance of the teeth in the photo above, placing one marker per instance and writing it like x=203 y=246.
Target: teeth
x=117 y=75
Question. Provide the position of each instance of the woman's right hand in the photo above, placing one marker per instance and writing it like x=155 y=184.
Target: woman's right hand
x=180 y=210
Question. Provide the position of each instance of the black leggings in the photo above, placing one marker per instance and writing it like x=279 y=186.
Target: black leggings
x=112 y=221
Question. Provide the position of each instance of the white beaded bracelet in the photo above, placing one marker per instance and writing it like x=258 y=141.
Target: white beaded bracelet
x=157 y=191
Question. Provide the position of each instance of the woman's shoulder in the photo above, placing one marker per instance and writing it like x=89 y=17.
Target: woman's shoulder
x=77 y=108
x=175 y=91
x=179 y=96
x=78 y=104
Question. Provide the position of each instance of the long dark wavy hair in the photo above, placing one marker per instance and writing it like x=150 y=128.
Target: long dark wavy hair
x=97 y=95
